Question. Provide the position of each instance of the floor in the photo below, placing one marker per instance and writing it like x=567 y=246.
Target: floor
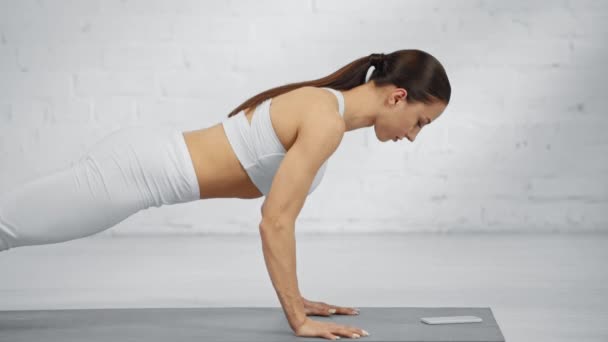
x=539 y=287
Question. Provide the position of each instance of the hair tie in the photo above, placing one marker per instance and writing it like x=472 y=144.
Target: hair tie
x=370 y=70
x=376 y=60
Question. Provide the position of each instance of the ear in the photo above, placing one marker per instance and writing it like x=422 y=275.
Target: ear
x=400 y=94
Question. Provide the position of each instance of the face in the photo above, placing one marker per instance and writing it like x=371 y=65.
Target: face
x=402 y=119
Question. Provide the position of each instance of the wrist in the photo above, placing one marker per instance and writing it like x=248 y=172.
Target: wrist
x=298 y=323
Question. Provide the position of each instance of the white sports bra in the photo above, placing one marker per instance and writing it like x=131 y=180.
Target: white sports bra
x=258 y=148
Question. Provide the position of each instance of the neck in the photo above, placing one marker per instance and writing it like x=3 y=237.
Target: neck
x=361 y=105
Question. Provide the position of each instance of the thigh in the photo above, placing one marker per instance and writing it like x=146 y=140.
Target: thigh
x=83 y=199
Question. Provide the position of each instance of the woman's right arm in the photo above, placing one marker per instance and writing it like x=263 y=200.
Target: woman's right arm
x=317 y=139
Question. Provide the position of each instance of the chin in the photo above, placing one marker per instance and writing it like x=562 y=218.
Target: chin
x=379 y=137
x=385 y=139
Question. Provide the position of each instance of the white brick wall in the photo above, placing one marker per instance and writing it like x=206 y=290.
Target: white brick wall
x=522 y=147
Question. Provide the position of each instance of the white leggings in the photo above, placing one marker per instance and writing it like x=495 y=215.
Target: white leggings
x=128 y=170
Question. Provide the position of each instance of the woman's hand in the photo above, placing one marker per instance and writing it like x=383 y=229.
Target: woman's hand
x=323 y=309
x=328 y=330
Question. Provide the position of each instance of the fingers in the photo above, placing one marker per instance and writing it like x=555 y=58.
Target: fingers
x=331 y=336
x=348 y=331
x=328 y=330
x=316 y=311
x=319 y=309
x=344 y=311
x=324 y=309
x=334 y=309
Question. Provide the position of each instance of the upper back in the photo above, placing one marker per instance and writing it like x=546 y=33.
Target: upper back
x=288 y=111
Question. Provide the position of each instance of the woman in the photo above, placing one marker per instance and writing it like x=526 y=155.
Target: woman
x=276 y=144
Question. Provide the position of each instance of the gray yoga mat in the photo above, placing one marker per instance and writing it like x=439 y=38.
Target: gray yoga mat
x=257 y=324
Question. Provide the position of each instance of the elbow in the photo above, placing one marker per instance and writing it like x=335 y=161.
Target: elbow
x=268 y=223
x=271 y=219
x=274 y=223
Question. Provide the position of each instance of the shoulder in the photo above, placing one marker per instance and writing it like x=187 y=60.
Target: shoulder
x=320 y=127
x=319 y=97
x=319 y=108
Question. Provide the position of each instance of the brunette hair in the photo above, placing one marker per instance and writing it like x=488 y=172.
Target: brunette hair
x=417 y=71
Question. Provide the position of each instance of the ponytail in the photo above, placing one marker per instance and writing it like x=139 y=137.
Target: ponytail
x=418 y=72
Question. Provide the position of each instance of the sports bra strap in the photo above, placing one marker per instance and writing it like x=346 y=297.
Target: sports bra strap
x=340 y=98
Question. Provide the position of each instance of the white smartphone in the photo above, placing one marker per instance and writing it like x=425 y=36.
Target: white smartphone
x=451 y=319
